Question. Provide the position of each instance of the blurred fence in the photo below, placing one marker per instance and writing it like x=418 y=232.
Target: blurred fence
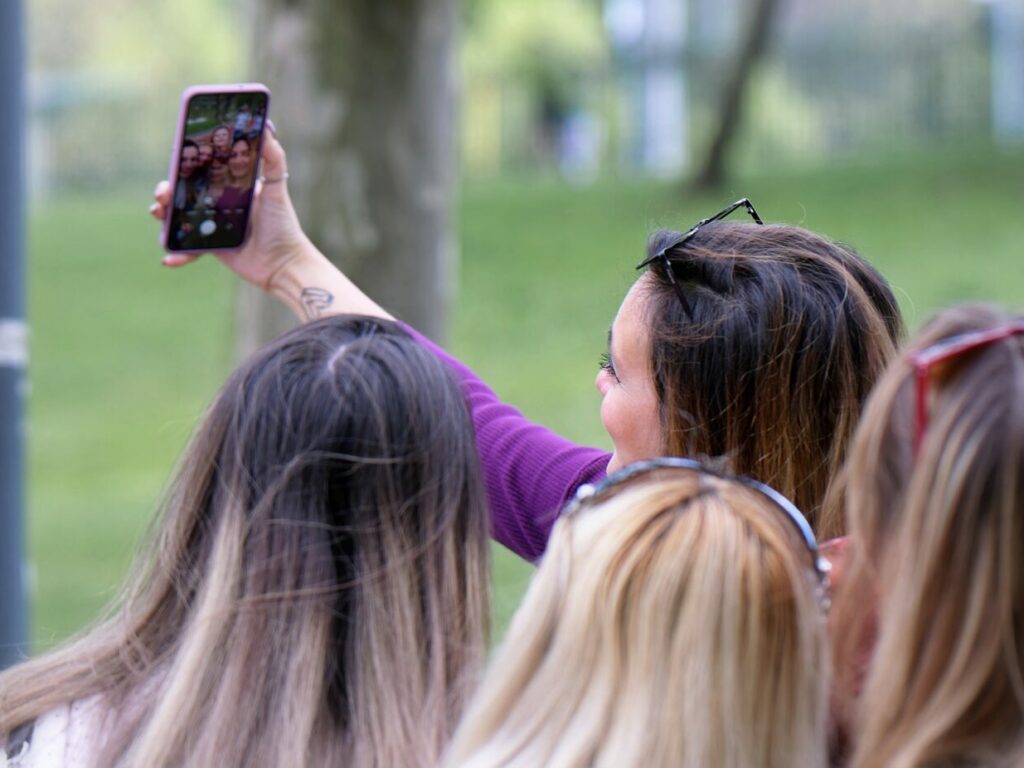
x=843 y=79
x=89 y=133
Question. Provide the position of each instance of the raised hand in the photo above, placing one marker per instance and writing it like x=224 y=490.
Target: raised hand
x=278 y=257
x=275 y=235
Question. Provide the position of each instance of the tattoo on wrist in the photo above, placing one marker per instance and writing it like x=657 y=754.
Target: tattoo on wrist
x=314 y=301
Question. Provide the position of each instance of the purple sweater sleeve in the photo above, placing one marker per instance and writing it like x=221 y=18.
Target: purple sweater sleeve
x=530 y=471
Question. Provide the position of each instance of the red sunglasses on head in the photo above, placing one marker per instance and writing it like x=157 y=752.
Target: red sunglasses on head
x=947 y=349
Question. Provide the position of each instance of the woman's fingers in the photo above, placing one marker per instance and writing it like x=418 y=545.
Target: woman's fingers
x=275 y=170
x=174 y=260
x=162 y=193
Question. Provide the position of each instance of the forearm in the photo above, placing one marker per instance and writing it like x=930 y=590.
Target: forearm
x=311 y=287
x=530 y=472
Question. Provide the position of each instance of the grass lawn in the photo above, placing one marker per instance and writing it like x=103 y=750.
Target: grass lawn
x=125 y=354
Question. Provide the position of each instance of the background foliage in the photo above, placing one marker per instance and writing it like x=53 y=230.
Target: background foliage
x=125 y=355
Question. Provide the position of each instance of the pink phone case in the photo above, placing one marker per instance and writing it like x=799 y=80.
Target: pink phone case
x=236 y=89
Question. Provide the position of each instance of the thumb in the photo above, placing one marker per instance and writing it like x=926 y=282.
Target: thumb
x=275 y=166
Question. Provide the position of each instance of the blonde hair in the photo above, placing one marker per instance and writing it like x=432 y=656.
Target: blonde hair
x=939 y=539
x=675 y=624
x=316 y=591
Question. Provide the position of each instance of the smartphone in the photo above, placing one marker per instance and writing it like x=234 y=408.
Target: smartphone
x=214 y=167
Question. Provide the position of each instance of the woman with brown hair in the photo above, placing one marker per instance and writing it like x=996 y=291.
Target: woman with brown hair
x=756 y=342
x=233 y=202
x=241 y=165
x=220 y=139
x=315 y=591
x=928 y=620
x=675 y=621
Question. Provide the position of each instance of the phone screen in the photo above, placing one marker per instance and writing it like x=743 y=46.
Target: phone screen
x=216 y=170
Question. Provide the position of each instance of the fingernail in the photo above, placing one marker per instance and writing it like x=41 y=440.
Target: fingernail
x=153 y=207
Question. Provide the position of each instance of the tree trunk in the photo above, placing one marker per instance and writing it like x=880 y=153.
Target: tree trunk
x=753 y=41
x=364 y=100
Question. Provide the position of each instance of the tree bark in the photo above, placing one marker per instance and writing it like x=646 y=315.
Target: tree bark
x=753 y=42
x=364 y=100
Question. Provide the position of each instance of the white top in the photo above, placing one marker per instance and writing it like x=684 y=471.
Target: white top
x=65 y=737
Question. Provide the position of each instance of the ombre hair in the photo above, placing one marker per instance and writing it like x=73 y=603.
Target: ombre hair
x=315 y=591
x=676 y=623
x=936 y=574
x=786 y=333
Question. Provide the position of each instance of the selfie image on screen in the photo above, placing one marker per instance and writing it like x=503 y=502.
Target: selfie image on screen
x=216 y=170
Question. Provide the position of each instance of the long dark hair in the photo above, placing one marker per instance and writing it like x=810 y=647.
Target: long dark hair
x=316 y=590
x=788 y=333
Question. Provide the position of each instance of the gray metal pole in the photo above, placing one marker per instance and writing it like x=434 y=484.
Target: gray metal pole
x=1006 y=38
x=13 y=342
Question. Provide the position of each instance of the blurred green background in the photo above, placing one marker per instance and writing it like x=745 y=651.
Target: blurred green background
x=125 y=354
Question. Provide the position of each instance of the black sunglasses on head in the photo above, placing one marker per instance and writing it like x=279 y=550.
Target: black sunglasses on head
x=666 y=261
x=590 y=494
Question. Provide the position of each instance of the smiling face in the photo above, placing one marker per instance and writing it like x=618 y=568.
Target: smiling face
x=629 y=405
x=238 y=163
x=218 y=172
x=205 y=153
x=189 y=161
x=221 y=139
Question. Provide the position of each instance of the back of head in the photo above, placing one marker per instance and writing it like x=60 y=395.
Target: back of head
x=316 y=590
x=788 y=333
x=675 y=624
x=939 y=535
